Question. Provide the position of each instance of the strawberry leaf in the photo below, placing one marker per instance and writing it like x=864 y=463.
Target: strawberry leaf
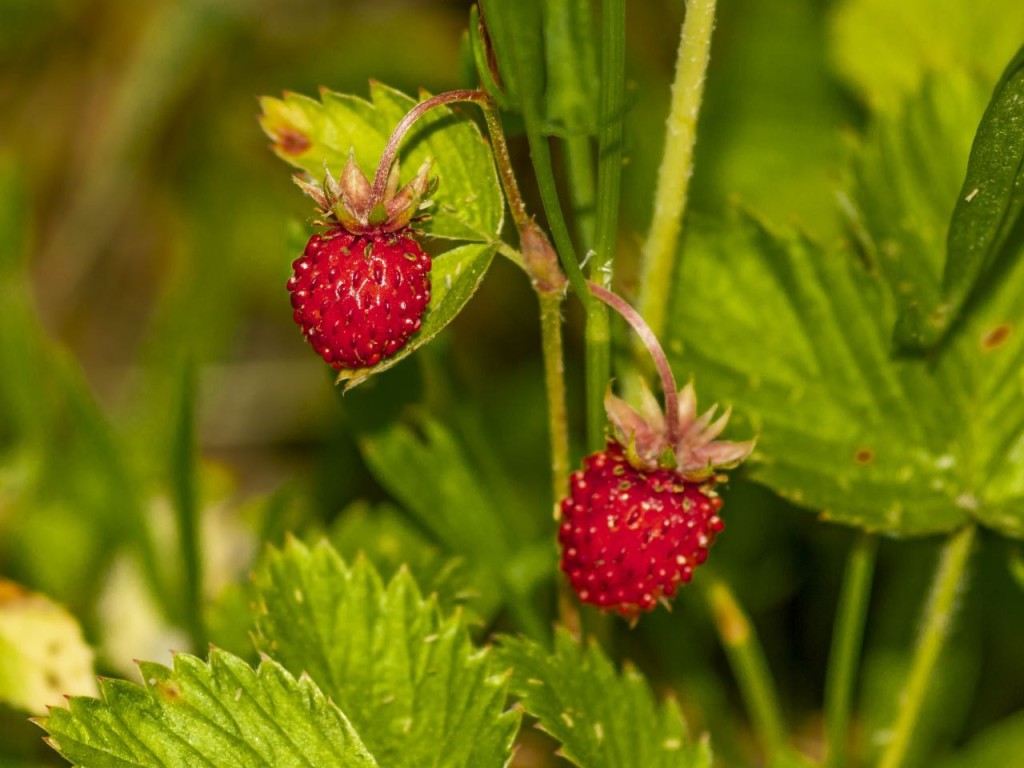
x=221 y=713
x=410 y=680
x=602 y=718
x=309 y=134
x=454 y=277
x=797 y=338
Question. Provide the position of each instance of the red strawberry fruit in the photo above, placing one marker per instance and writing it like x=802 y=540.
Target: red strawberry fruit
x=641 y=514
x=360 y=289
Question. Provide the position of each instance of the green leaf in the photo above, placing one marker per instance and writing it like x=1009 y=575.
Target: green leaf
x=222 y=713
x=998 y=745
x=992 y=196
x=796 y=338
x=885 y=49
x=454 y=277
x=411 y=682
x=468 y=204
x=603 y=719
x=571 y=58
x=42 y=653
x=906 y=174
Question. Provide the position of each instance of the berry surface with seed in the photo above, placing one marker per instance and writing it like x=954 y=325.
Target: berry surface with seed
x=359 y=298
x=631 y=536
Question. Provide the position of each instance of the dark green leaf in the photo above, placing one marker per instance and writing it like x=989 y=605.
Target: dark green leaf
x=992 y=195
x=411 y=682
x=454 y=277
x=309 y=134
x=219 y=714
x=602 y=718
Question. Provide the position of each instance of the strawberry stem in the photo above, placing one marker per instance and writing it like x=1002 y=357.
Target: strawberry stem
x=650 y=341
x=387 y=158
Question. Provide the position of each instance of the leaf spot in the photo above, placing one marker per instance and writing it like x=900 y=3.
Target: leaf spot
x=292 y=141
x=567 y=720
x=168 y=692
x=971 y=195
x=599 y=731
x=535 y=681
x=864 y=456
x=298 y=596
x=995 y=337
x=672 y=744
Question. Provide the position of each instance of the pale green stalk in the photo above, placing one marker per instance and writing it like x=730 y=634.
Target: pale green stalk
x=662 y=245
x=937 y=620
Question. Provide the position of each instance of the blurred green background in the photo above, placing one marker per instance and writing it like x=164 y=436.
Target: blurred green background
x=149 y=362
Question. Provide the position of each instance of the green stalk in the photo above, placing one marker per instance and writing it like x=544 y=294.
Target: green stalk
x=749 y=666
x=847 y=638
x=579 y=166
x=609 y=177
x=660 y=250
x=937 y=620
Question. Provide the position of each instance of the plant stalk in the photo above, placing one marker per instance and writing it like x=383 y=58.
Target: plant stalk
x=749 y=666
x=847 y=638
x=662 y=245
x=937 y=620
x=609 y=178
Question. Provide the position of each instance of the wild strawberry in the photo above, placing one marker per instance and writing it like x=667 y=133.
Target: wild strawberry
x=360 y=289
x=642 y=513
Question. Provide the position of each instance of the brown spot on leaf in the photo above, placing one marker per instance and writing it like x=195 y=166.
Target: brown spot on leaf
x=293 y=142
x=864 y=456
x=168 y=691
x=996 y=337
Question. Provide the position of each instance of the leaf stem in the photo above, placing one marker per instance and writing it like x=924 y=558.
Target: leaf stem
x=749 y=666
x=662 y=245
x=847 y=638
x=650 y=341
x=937 y=619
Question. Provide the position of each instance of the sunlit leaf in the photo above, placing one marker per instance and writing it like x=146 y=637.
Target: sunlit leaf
x=311 y=134
x=221 y=713
x=410 y=680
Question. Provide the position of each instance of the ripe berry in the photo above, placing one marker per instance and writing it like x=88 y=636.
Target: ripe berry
x=360 y=289
x=358 y=298
x=630 y=536
x=641 y=515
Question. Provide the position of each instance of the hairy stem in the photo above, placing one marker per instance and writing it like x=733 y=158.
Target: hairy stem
x=937 y=620
x=847 y=638
x=749 y=666
x=650 y=341
x=554 y=380
x=659 y=254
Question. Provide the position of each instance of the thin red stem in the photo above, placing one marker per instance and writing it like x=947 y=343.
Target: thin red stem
x=668 y=381
x=380 y=180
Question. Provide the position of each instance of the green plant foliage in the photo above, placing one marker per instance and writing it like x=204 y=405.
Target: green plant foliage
x=885 y=49
x=797 y=338
x=311 y=134
x=571 y=57
x=602 y=718
x=992 y=196
x=410 y=680
x=998 y=745
x=903 y=199
x=454 y=277
x=221 y=713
